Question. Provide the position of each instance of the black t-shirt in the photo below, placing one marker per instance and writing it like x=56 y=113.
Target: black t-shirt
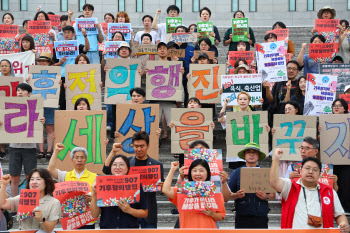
x=279 y=91
x=140 y=162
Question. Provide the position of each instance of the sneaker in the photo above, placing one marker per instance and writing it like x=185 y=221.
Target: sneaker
x=2 y=155
x=109 y=128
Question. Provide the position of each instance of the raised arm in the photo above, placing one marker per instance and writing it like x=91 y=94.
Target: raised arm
x=115 y=148
x=167 y=190
x=87 y=43
x=222 y=119
x=154 y=23
x=275 y=181
x=52 y=164
x=4 y=201
x=269 y=95
x=300 y=58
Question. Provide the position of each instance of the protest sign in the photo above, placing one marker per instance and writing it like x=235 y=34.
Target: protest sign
x=8 y=38
x=67 y=48
x=132 y=118
x=182 y=37
x=101 y=46
x=319 y=94
x=290 y=133
x=124 y=28
x=193 y=196
x=176 y=53
x=111 y=47
x=233 y=56
x=190 y=124
x=164 y=80
x=20 y=63
x=282 y=35
x=75 y=208
x=340 y=70
x=326 y=171
x=322 y=52
x=240 y=29
x=256 y=179
x=122 y=76
x=245 y=127
x=55 y=22
x=205 y=82
x=335 y=139
x=8 y=85
x=150 y=177
x=145 y=49
x=172 y=24
x=89 y=24
x=21 y=119
x=212 y=156
x=84 y=129
x=211 y=54
x=112 y=189
x=345 y=97
x=28 y=202
x=83 y=81
x=232 y=85
x=45 y=81
x=328 y=28
x=271 y=61
x=205 y=28
x=40 y=31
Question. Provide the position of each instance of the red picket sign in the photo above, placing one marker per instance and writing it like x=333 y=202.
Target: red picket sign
x=40 y=31
x=322 y=52
x=8 y=38
x=29 y=200
x=345 y=97
x=212 y=156
x=150 y=177
x=233 y=56
x=328 y=28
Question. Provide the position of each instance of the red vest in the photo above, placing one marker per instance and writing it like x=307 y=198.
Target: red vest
x=288 y=207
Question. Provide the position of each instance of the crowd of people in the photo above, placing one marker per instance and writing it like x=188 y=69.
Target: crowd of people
x=313 y=207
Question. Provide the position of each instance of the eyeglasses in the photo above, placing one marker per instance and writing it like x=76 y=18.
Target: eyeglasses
x=292 y=69
x=314 y=170
x=306 y=148
x=338 y=106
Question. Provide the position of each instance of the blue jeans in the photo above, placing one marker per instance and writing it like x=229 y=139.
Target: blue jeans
x=145 y=224
x=109 y=115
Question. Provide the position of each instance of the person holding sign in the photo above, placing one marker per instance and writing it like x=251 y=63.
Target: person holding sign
x=251 y=208
x=123 y=215
x=228 y=35
x=49 y=212
x=307 y=204
x=205 y=14
x=326 y=12
x=42 y=16
x=205 y=45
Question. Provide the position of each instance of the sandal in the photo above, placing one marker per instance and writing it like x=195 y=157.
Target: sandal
x=48 y=155
x=41 y=155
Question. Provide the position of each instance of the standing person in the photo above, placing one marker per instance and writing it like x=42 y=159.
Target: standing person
x=307 y=204
x=65 y=20
x=147 y=28
x=228 y=35
x=8 y=19
x=49 y=212
x=251 y=208
x=291 y=49
x=326 y=12
x=42 y=16
x=140 y=141
x=299 y=95
x=109 y=18
x=172 y=11
x=205 y=14
x=344 y=46
x=22 y=153
x=123 y=17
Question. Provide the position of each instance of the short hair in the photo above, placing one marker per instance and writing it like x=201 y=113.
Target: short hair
x=41 y=12
x=123 y=38
x=11 y=15
x=68 y=28
x=63 y=18
x=194 y=164
x=30 y=39
x=204 y=9
x=122 y=14
x=245 y=93
x=126 y=160
x=25 y=22
x=183 y=27
x=196 y=100
x=199 y=142
x=78 y=102
x=237 y=62
x=270 y=35
x=44 y=174
x=234 y=14
x=78 y=149
x=312 y=141
x=313 y=159
x=344 y=103
x=319 y=37
x=81 y=16
x=89 y=6
x=24 y=86
x=295 y=63
x=146 y=34
x=206 y=40
x=141 y=135
x=344 y=21
x=147 y=16
x=50 y=13
x=172 y=7
x=84 y=56
x=279 y=23
x=295 y=105
x=139 y=91
x=109 y=14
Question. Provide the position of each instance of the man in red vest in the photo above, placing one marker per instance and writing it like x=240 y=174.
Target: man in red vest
x=307 y=203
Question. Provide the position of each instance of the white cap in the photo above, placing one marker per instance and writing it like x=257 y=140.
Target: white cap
x=346 y=88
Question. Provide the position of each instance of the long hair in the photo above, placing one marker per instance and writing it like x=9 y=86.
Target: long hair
x=31 y=41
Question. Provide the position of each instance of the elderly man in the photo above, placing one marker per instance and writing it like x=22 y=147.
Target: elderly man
x=307 y=204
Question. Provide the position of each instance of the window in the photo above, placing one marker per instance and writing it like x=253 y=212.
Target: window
x=292 y=5
x=5 y=5
x=348 y=4
x=178 y=3
x=195 y=5
x=121 y=5
x=24 y=6
x=139 y=5
x=234 y=6
x=64 y=5
x=81 y=4
x=252 y=5
x=310 y=5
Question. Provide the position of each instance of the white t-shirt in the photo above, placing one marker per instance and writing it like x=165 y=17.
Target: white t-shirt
x=162 y=32
x=154 y=35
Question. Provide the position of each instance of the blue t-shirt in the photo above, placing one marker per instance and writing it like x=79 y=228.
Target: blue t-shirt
x=92 y=40
x=310 y=67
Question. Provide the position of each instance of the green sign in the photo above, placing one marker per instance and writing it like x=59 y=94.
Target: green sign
x=240 y=29
x=172 y=23
x=205 y=28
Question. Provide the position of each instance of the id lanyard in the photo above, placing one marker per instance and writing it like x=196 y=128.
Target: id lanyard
x=319 y=199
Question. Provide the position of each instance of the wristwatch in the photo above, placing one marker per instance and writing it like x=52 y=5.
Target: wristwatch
x=43 y=220
x=267 y=197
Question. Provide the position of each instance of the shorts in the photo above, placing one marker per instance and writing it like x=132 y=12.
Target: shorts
x=19 y=156
x=49 y=114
